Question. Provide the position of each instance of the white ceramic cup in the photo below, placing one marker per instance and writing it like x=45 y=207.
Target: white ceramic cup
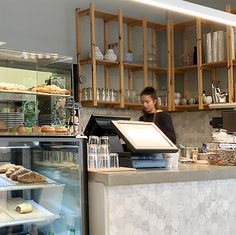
x=169 y=161
x=208 y=99
x=183 y=101
x=191 y=100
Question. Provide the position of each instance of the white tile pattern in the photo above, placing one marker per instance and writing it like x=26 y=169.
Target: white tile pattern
x=192 y=128
x=197 y=208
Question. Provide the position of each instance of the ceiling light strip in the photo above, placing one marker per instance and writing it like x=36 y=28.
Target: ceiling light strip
x=193 y=9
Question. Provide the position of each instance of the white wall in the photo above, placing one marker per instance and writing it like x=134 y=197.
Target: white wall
x=49 y=25
x=45 y=26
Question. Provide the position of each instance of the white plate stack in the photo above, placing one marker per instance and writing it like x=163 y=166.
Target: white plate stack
x=12 y=119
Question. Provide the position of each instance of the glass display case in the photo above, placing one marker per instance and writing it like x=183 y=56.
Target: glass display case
x=43 y=181
x=43 y=185
x=36 y=92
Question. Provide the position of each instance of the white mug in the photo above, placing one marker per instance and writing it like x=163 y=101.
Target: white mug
x=191 y=100
x=208 y=99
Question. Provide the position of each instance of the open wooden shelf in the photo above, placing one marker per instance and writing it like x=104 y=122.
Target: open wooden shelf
x=184 y=69
x=90 y=103
x=190 y=107
x=133 y=105
x=181 y=26
x=186 y=107
x=157 y=69
x=99 y=14
x=133 y=66
x=100 y=62
x=214 y=64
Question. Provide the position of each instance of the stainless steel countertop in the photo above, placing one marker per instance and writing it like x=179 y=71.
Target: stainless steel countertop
x=186 y=172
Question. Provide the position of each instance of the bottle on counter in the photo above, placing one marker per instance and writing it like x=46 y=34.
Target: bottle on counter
x=71 y=231
x=195 y=154
x=70 y=228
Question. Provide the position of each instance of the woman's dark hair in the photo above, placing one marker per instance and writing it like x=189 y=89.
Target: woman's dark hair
x=149 y=90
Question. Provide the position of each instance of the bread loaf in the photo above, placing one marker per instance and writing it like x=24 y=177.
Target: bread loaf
x=60 y=129
x=50 y=89
x=31 y=177
x=24 y=208
x=48 y=129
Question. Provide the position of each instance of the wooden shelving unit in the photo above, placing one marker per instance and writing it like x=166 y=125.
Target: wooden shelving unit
x=187 y=64
x=124 y=68
x=203 y=66
x=150 y=71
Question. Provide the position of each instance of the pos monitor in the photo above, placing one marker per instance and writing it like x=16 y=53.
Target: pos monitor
x=144 y=137
x=102 y=125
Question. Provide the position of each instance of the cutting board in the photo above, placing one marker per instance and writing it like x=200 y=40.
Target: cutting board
x=112 y=169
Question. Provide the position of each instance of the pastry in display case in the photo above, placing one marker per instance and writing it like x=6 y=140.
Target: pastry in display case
x=43 y=185
x=43 y=177
x=35 y=90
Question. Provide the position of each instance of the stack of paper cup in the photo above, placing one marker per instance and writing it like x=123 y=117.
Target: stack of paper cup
x=208 y=48
x=214 y=47
x=221 y=45
x=172 y=160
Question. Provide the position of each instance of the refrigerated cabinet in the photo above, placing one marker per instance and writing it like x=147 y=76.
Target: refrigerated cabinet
x=60 y=202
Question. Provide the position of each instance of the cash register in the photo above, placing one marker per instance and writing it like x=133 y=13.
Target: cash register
x=139 y=144
x=145 y=142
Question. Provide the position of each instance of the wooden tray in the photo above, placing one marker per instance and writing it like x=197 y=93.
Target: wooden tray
x=112 y=169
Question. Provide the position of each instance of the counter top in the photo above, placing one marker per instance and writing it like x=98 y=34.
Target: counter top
x=185 y=172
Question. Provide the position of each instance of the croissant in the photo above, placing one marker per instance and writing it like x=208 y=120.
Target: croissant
x=12 y=169
x=18 y=172
x=5 y=167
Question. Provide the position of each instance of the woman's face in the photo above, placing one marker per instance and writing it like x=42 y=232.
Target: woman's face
x=148 y=104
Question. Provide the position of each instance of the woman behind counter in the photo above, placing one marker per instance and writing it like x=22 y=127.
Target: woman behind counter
x=151 y=113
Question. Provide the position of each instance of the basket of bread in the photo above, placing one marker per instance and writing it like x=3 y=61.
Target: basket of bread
x=222 y=157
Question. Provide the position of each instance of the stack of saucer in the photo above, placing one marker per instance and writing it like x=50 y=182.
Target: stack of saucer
x=12 y=119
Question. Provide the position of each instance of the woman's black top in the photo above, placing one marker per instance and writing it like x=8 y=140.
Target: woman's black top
x=163 y=121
